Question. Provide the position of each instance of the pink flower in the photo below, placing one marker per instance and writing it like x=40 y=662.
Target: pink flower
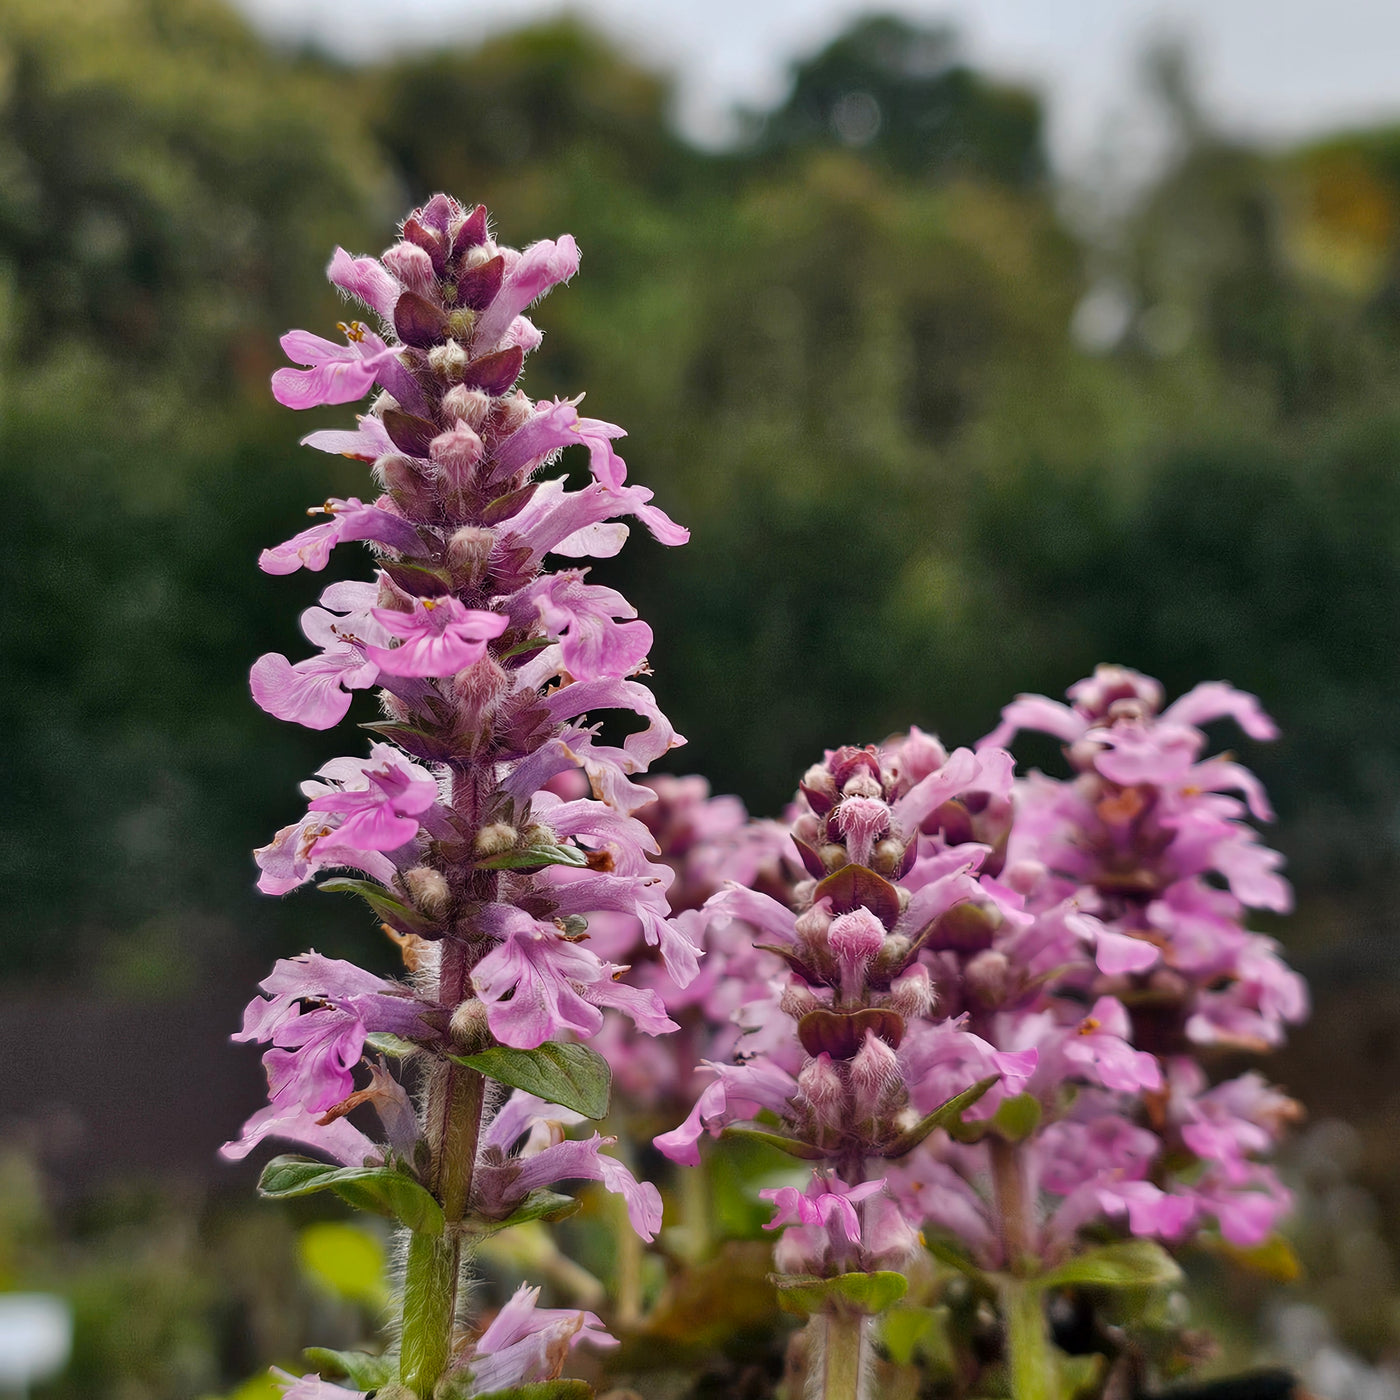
x=350 y=520
x=1099 y=1044
x=316 y=692
x=337 y=373
x=380 y=812
x=526 y=1343
x=438 y=638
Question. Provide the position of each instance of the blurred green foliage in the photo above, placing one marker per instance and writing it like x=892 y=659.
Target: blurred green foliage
x=846 y=355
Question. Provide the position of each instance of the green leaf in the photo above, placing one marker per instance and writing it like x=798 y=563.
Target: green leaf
x=549 y=1206
x=363 y=1371
x=379 y=1189
x=570 y=1075
x=540 y=1390
x=868 y=1294
x=1017 y=1118
x=954 y=1255
x=944 y=1116
x=791 y=1146
x=386 y=905
x=908 y=1332
x=1128 y=1264
x=535 y=857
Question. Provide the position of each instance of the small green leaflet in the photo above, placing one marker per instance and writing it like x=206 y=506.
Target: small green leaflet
x=573 y=1076
x=379 y=1189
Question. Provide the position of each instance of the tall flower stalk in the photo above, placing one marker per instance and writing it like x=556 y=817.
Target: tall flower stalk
x=489 y=668
x=836 y=1036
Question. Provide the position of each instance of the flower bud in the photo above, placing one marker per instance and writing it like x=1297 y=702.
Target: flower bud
x=862 y=784
x=494 y=838
x=797 y=1000
x=448 y=361
x=469 y=554
x=511 y=413
x=456 y=453
x=468 y=1027
x=469 y=406
x=812 y=925
x=821 y=1085
x=856 y=938
x=428 y=888
x=988 y=977
x=834 y=856
x=888 y=856
x=861 y=819
x=413 y=267
x=461 y=321
x=808 y=828
x=913 y=994
x=478 y=690
x=875 y=1080
x=482 y=253
x=405 y=484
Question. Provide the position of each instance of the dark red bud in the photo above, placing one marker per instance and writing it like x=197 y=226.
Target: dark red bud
x=418 y=322
x=477 y=286
x=496 y=372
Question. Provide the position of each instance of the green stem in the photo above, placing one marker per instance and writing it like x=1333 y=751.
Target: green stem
x=837 y=1343
x=1029 y=1358
x=429 y=1310
x=1013 y=1205
x=456 y=1096
x=629 y=1266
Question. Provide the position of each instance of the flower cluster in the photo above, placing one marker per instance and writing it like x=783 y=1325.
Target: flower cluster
x=986 y=1007
x=490 y=670
x=837 y=1043
x=1118 y=951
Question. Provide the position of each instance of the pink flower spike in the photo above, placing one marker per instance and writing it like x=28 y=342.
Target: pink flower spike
x=439 y=637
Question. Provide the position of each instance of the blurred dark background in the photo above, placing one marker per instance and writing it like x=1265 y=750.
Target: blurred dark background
x=937 y=439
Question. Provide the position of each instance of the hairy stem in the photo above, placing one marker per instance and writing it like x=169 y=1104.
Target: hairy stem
x=1013 y=1205
x=429 y=1310
x=836 y=1345
x=455 y=1100
x=1029 y=1359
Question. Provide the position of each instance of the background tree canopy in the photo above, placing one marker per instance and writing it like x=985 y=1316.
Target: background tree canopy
x=847 y=355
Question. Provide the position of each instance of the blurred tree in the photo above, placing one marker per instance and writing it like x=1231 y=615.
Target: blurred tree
x=898 y=92
x=170 y=188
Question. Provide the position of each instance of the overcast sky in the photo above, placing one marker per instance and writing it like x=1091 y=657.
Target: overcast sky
x=1275 y=68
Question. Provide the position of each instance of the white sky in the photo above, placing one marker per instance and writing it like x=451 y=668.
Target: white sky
x=1272 y=68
